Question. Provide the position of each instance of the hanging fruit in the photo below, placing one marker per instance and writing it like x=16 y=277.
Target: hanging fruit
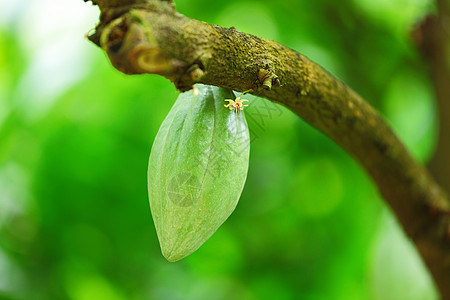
x=197 y=168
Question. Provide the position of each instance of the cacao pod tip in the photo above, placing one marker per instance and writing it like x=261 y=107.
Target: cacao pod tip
x=173 y=253
x=173 y=257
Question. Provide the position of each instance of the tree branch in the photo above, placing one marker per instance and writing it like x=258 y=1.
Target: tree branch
x=150 y=37
x=433 y=39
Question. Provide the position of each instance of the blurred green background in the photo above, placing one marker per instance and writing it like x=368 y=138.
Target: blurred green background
x=75 y=136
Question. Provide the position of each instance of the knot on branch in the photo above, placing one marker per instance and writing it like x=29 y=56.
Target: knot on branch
x=267 y=79
x=133 y=49
x=113 y=10
x=146 y=58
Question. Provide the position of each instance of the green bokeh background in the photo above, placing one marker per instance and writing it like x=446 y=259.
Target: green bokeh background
x=75 y=136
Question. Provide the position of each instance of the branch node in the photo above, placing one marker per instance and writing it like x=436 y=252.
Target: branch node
x=267 y=79
x=151 y=59
x=195 y=73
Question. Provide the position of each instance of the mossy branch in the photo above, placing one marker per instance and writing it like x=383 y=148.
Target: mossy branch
x=151 y=37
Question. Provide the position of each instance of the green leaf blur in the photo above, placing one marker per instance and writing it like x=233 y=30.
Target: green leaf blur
x=75 y=137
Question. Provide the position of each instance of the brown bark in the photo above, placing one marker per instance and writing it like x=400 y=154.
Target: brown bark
x=153 y=38
x=433 y=38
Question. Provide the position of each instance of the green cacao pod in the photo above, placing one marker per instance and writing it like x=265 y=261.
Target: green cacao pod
x=197 y=169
